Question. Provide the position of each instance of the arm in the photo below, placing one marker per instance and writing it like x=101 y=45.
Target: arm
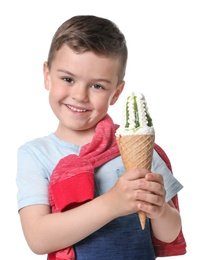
x=46 y=232
x=167 y=227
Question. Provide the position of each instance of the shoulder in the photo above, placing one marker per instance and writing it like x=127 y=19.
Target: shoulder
x=37 y=142
x=35 y=146
x=49 y=146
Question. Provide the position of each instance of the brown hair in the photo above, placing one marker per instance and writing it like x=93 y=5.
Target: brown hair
x=91 y=33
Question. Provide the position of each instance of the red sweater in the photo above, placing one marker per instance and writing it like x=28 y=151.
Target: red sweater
x=72 y=183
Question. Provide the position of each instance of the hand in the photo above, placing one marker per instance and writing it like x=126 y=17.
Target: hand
x=136 y=190
x=151 y=195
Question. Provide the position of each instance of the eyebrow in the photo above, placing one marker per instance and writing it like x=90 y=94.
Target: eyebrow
x=73 y=75
x=66 y=72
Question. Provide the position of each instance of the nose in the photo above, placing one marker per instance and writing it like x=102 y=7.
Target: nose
x=79 y=92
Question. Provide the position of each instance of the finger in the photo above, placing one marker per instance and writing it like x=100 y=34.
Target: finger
x=146 y=198
x=134 y=174
x=155 y=177
x=151 y=186
x=149 y=209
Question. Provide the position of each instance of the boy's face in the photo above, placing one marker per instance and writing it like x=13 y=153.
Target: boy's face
x=81 y=87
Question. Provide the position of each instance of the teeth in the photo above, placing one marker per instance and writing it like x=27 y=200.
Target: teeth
x=76 y=109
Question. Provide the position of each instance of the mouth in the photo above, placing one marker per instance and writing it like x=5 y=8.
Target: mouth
x=76 y=109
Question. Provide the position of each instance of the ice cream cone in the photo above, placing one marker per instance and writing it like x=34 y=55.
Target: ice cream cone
x=136 y=152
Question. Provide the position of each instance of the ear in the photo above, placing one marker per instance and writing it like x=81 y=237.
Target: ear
x=46 y=75
x=117 y=93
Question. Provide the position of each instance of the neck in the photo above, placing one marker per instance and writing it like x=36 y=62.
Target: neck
x=79 y=138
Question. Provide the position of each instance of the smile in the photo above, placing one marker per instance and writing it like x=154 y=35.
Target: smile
x=76 y=109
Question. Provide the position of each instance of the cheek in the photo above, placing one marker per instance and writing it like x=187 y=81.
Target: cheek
x=100 y=102
x=54 y=97
x=57 y=92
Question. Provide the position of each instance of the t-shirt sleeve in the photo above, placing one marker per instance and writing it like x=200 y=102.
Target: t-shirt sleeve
x=31 y=179
x=171 y=184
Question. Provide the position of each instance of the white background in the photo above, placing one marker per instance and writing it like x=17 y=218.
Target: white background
x=164 y=63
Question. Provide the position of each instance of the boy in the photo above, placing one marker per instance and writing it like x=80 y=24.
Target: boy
x=59 y=174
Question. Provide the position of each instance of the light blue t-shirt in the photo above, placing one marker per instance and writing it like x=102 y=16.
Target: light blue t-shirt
x=38 y=158
x=120 y=239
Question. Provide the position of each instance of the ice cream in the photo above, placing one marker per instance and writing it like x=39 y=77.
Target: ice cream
x=136 y=136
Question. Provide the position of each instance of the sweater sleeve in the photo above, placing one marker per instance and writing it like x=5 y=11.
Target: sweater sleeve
x=71 y=184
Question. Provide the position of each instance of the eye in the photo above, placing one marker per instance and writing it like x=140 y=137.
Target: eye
x=67 y=79
x=97 y=86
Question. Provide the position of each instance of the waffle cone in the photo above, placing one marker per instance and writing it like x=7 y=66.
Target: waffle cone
x=136 y=152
